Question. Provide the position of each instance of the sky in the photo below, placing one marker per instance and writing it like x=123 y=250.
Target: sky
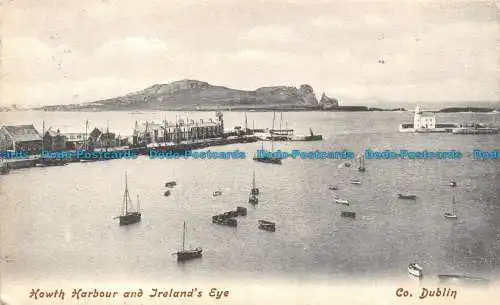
x=66 y=51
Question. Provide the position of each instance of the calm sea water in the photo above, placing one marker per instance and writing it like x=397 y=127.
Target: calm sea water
x=57 y=222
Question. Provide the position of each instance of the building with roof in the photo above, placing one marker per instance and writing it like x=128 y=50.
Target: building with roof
x=20 y=137
x=54 y=140
x=424 y=119
x=175 y=132
x=425 y=122
x=74 y=140
x=102 y=138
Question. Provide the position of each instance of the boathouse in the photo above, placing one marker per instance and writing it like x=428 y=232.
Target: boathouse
x=54 y=140
x=20 y=137
x=176 y=132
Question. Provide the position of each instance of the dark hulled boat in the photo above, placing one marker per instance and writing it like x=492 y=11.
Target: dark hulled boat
x=409 y=197
x=313 y=137
x=185 y=255
x=348 y=214
x=271 y=160
x=361 y=165
x=170 y=184
x=128 y=216
x=253 y=199
x=267 y=225
x=255 y=190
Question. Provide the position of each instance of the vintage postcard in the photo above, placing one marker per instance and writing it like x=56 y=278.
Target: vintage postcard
x=250 y=152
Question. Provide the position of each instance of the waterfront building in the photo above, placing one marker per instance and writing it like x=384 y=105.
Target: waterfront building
x=102 y=138
x=175 y=132
x=423 y=119
x=425 y=122
x=54 y=140
x=74 y=140
x=20 y=137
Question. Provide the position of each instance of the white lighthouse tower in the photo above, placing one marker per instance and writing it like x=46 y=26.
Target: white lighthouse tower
x=423 y=120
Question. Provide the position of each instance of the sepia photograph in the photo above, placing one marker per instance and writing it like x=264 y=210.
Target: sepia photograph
x=295 y=152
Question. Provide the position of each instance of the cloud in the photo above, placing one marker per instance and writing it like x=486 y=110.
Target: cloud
x=351 y=21
x=69 y=91
x=269 y=33
x=138 y=44
x=263 y=56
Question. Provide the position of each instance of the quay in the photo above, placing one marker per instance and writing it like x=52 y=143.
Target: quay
x=115 y=153
x=25 y=147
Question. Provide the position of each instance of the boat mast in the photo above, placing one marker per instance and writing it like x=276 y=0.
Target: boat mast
x=453 y=206
x=126 y=195
x=43 y=133
x=281 y=118
x=246 y=124
x=253 y=183
x=164 y=130
x=107 y=136
x=272 y=136
x=86 y=131
x=138 y=206
x=183 y=236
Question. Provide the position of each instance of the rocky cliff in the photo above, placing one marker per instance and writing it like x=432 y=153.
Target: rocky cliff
x=328 y=102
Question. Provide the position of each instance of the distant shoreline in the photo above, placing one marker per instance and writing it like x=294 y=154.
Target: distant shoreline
x=69 y=108
x=235 y=109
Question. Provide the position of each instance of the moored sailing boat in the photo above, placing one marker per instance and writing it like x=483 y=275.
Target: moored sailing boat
x=183 y=254
x=361 y=163
x=255 y=190
x=128 y=216
x=267 y=157
x=313 y=137
x=453 y=214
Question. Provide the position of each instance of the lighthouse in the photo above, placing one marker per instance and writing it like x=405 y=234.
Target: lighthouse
x=423 y=120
